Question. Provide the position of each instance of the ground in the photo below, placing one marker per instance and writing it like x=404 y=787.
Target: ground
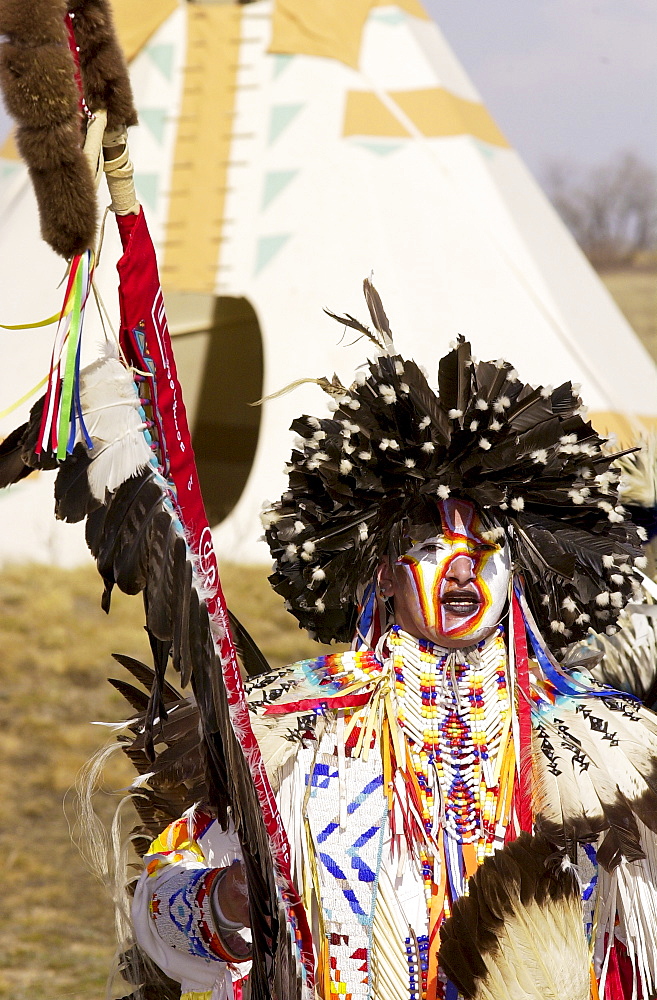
x=635 y=292
x=56 y=929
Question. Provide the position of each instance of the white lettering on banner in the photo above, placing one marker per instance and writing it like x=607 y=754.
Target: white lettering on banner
x=158 y=315
x=206 y=560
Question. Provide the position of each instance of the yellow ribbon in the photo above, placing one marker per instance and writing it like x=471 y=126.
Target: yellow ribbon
x=24 y=398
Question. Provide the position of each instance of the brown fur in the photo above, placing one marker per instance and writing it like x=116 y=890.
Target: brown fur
x=69 y=224
x=104 y=71
x=38 y=86
x=37 y=76
x=33 y=23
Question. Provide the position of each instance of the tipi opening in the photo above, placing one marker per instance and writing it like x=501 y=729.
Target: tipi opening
x=218 y=348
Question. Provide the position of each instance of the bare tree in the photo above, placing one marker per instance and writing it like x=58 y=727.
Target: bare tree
x=611 y=210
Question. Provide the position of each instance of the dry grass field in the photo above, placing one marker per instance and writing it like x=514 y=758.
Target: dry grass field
x=635 y=291
x=56 y=926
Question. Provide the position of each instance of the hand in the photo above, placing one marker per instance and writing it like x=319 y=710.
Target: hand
x=233 y=896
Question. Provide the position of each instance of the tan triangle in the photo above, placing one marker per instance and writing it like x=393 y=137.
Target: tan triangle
x=326 y=28
x=434 y=111
x=137 y=20
x=9 y=149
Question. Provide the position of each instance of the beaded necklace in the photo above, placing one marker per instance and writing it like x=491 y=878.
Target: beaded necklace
x=453 y=707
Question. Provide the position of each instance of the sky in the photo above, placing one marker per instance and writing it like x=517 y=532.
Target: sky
x=568 y=81
x=573 y=81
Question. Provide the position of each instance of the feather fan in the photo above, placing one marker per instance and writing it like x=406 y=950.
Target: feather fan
x=519 y=935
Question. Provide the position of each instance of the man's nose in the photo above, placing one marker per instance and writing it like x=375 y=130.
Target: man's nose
x=461 y=570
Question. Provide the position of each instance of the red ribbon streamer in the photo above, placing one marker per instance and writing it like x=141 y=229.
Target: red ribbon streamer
x=524 y=805
x=142 y=308
x=309 y=704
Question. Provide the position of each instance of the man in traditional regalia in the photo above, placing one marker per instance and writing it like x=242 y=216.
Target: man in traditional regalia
x=446 y=807
x=442 y=534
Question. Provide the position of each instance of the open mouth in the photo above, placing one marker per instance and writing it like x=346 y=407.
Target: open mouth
x=461 y=603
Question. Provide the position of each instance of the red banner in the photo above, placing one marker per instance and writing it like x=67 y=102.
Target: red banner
x=144 y=338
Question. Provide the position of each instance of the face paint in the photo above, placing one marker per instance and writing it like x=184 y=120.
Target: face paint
x=452 y=587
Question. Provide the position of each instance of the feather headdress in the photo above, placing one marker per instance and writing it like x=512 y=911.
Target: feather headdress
x=393 y=447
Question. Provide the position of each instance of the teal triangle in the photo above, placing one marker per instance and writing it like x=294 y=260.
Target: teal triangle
x=162 y=56
x=268 y=247
x=281 y=116
x=147 y=185
x=395 y=16
x=281 y=61
x=154 y=119
x=485 y=149
x=275 y=182
x=380 y=148
x=7 y=169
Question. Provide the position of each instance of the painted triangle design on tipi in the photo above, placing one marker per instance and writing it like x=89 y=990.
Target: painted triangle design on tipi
x=281 y=61
x=388 y=15
x=163 y=56
x=147 y=188
x=484 y=148
x=155 y=120
x=268 y=247
x=275 y=182
x=380 y=148
x=281 y=116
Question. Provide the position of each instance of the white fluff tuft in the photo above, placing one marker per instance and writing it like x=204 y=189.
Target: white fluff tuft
x=110 y=404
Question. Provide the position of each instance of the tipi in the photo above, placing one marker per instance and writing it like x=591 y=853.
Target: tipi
x=287 y=149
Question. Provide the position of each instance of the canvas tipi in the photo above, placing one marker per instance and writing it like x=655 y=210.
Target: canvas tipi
x=287 y=149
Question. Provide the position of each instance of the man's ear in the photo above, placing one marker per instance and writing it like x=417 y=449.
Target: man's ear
x=385 y=578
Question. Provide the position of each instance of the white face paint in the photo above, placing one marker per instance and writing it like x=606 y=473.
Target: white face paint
x=452 y=588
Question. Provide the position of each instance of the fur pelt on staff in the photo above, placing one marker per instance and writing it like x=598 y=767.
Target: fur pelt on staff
x=37 y=76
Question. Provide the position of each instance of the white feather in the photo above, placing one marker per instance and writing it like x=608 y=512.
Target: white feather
x=110 y=404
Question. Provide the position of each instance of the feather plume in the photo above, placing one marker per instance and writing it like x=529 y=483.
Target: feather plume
x=377 y=312
x=627 y=660
x=595 y=770
x=519 y=934
x=633 y=886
